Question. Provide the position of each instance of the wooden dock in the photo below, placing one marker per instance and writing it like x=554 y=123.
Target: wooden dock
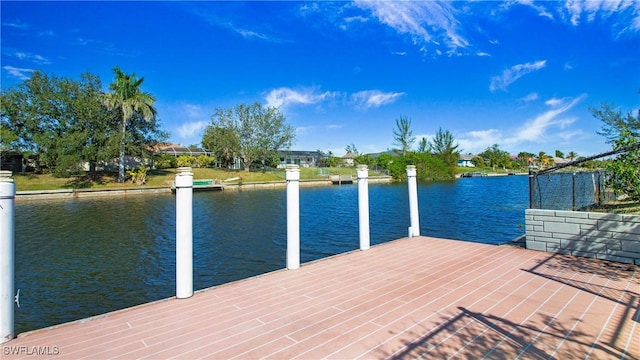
x=411 y=298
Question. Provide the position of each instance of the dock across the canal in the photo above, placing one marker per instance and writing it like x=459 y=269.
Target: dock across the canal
x=416 y=297
x=203 y=185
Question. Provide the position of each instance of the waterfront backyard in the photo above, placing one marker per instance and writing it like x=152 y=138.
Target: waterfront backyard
x=436 y=297
x=415 y=297
x=79 y=257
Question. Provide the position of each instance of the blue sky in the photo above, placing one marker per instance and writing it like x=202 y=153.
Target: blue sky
x=520 y=74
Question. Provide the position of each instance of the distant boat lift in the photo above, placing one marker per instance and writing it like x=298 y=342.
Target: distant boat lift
x=202 y=185
x=341 y=179
x=473 y=174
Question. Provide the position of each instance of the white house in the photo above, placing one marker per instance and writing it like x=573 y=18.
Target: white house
x=465 y=160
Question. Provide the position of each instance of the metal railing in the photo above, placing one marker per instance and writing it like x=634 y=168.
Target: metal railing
x=559 y=188
x=564 y=190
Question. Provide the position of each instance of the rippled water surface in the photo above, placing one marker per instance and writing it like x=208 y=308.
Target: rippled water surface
x=83 y=257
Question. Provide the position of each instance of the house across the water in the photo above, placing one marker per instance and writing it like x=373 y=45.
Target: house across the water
x=301 y=158
x=465 y=160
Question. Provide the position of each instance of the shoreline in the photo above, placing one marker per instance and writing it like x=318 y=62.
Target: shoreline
x=87 y=193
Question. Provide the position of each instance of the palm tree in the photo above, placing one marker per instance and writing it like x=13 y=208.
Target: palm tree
x=129 y=100
x=572 y=155
x=544 y=159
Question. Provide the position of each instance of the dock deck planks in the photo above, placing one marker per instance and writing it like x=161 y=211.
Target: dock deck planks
x=411 y=298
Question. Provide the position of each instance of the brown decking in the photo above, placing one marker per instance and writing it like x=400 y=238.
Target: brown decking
x=411 y=298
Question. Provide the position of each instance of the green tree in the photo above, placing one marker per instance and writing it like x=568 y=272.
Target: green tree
x=132 y=105
x=223 y=142
x=625 y=168
x=403 y=135
x=443 y=147
x=8 y=136
x=89 y=132
x=351 y=148
x=559 y=154
x=623 y=132
x=496 y=157
x=365 y=159
x=478 y=161
x=331 y=160
x=423 y=145
x=614 y=123
x=261 y=131
x=525 y=158
x=428 y=166
x=61 y=121
x=543 y=159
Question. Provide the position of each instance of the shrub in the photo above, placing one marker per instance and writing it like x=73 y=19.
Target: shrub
x=185 y=161
x=165 y=161
x=204 y=161
x=138 y=175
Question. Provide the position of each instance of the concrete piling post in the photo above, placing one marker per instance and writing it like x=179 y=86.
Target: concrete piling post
x=363 y=206
x=293 y=217
x=414 y=229
x=184 y=233
x=7 y=255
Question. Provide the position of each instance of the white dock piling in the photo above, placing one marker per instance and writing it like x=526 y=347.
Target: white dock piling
x=293 y=216
x=414 y=230
x=7 y=255
x=363 y=206
x=184 y=233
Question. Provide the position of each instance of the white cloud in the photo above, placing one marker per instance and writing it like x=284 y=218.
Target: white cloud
x=549 y=128
x=477 y=141
x=38 y=59
x=16 y=24
x=542 y=11
x=536 y=128
x=577 y=9
x=555 y=102
x=190 y=130
x=426 y=22
x=568 y=136
x=510 y=75
x=189 y=121
x=20 y=73
x=374 y=98
x=247 y=34
x=625 y=15
x=194 y=111
x=531 y=97
x=354 y=19
x=283 y=97
x=214 y=19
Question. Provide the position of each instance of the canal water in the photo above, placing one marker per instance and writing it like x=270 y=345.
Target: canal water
x=83 y=257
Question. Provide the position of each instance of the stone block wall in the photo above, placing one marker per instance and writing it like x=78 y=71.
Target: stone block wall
x=614 y=237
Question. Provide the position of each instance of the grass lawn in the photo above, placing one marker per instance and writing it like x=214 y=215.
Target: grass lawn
x=155 y=178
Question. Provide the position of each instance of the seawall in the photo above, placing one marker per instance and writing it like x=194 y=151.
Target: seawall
x=84 y=193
